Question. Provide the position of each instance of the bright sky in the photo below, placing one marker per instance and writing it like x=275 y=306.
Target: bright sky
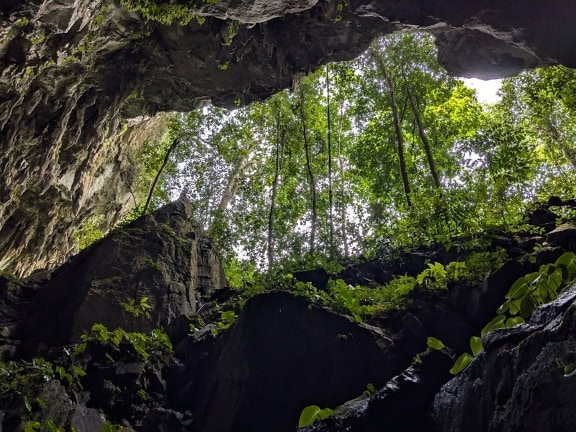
x=487 y=90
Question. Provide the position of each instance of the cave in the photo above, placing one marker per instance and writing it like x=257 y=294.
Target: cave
x=85 y=83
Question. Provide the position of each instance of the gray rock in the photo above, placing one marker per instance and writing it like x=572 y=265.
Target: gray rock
x=163 y=257
x=518 y=383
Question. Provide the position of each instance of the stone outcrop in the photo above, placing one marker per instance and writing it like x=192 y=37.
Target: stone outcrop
x=163 y=257
x=282 y=355
x=523 y=381
x=72 y=71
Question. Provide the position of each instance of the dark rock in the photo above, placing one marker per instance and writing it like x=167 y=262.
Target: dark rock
x=165 y=420
x=318 y=277
x=479 y=303
x=400 y=405
x=163 y=257
x=282 y=355
x=548 y=255
x=564 y=235
x=518 y=383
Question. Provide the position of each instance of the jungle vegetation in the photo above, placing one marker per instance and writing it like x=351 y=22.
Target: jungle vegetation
x=359 y=157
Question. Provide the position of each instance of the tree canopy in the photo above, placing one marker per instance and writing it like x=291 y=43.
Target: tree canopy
x=359 y=156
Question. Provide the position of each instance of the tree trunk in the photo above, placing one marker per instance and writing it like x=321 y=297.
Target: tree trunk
x=397 y=129
x=342 y=199
x=279 y=150
x=159 y=174
x=329 y=133
x=310 y=172
x=424 y=139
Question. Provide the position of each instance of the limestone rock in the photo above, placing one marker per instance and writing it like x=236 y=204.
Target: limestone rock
x=163 y=257
x=282 y=355
x=519 y=382
x=564 y=235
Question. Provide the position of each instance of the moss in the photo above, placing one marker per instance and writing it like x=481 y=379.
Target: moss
x=165 y=13
x=38 y=39
x=22 y=22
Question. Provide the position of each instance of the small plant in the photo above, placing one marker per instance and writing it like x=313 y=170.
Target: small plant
x=525 y=295
x=434 y=343
x=226 y=320
x=140 y=308
x=22 y=22
x=370 y=390
x=465 y=359
x=313 y=413
x=434 y=277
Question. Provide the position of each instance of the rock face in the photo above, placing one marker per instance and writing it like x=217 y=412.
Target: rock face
x=163 y=257
x=73 y=70
x=522 y=380
x=281 y=356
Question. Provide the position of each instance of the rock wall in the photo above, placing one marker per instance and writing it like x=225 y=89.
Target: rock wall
x=73 y=70
x=523 y=381
x=163 y=257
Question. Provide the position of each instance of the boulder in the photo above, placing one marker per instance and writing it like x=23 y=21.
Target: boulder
x=400 y=405
x=163 y=257
x=564 y=235
x=282 y=355
x=522 y=380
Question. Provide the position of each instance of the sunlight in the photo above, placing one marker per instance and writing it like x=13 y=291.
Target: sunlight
x=487 y=91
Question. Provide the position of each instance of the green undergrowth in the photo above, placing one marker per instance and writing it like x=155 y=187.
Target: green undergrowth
x=366 y=302
x=23 y=383
x=522 y=299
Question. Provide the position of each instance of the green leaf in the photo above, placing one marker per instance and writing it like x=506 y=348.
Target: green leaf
x=312 y=413
x=435 y=344
x=496 y=323
x=78 y=370
x=519 y=289
x=476 y=345
x=461 y=363
x=511 y=322
x=32 y=426
x=27 y=404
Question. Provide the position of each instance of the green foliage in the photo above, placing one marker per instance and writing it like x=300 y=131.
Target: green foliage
x=140 y=308
x=22 y=22
x=461 y=363
x=434 y=277
x=227 y=318
x=370 y=390
x=533 y=290
x=155 y=348
x=522 y=299
x=313 y=413
x=164 y=13
x=90 y=231
x=110 y=427
x=465 y=359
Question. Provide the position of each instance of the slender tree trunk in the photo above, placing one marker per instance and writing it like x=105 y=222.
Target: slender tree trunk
x=159 y=174
x=279 y=150
x=329 y=132
x=424 y=139
x=342 y=198
x=310 y=173
x=397 y=129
